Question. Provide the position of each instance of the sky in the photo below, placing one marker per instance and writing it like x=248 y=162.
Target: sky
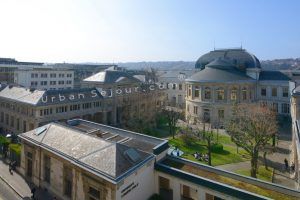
x=143 y=30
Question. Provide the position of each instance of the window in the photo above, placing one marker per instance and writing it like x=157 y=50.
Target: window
x=61 y=82
x=33 y=83
x=285 y=108
x=12 y=121
x=274 y=92
x=69 y=75
x=75 y=107
x=220 y=94
x=180 y=86
x=233 y=94
x=69 y=82
x=33 y=75
x=47 y=168
x=18 y=124
x=263 y=92
x=61 y=75
x=44 y=75
x=275 y=107
x=244 y=93
x=93 y=193
x=61 y=109
x=207 y=92
x=52 y=75
x=221 y=114
x=195 y=110
x=189 y=90
x=52 y=82
x=188 y=108
x=2 y=117
x=197 y=91
x=174 y=86
x=97 y=104
x=68 y=181
x=43 y=82
x=285 y=92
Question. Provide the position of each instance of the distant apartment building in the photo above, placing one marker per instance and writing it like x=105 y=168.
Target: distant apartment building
x=174 y=83
x=82 y=71
x=82 y=160
x=8 y=67
x=45 y=78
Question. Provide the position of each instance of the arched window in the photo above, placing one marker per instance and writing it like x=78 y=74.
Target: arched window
x=207 y=93
x=220 y=94
x=233 y=94
x=244 y=93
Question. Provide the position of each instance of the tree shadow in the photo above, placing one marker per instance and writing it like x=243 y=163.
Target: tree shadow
x=282 y=150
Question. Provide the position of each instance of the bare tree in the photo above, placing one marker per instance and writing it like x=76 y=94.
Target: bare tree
x=252 y=127
x=172 y=115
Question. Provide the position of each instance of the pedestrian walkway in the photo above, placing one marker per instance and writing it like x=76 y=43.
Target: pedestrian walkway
x=19 y=185
x=235 y=166
x=15 y=181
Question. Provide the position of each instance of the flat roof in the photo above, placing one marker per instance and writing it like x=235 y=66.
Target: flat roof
x=222 y=181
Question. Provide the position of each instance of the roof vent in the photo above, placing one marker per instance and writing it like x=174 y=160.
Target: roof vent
x=32 y=89
x=133 y=155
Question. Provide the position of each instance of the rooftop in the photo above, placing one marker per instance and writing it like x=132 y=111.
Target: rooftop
x=112 y=76
x=238 y=56
x=82 y=143
x=223 y=181
x=48 y=97
x=273 y=76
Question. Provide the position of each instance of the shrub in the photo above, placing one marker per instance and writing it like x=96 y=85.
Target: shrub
x=217 y=148
x=16 y=148
x=4 y=140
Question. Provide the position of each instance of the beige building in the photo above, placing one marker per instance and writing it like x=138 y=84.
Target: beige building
x=133 y=98
x=84 y=160
x=233 y=76
x=175 y=86
x=23 y=109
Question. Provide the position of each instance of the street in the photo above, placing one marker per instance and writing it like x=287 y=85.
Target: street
x=6 y=193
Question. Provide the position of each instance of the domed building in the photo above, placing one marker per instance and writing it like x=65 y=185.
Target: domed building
x=231 y=76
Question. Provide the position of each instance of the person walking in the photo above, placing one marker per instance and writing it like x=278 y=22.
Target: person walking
x=286 y=164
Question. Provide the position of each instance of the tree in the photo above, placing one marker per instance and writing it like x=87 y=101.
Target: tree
x=207 y=136
x=172 y=115
x=252 y=128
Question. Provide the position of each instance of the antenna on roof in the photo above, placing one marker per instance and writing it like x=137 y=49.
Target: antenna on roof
x=214 y=45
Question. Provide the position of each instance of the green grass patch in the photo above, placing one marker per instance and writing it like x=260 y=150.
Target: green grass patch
x=263 y=173
x=226 y=156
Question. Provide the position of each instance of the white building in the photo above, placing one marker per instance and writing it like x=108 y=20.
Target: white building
x=45 y=78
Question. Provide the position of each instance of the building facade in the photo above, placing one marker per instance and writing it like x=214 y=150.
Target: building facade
x=133 y=99
x=173 y=82
x=83 y=160
x=233 y=76
x=45 y=78
x=23 y=109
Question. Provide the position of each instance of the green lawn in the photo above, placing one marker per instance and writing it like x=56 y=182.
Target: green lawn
x=228 y=155
x=262 y=174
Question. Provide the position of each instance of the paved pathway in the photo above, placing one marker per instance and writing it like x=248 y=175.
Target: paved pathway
x=6 y=193
x=275 y=160
x=15 y=181
x=19 y=185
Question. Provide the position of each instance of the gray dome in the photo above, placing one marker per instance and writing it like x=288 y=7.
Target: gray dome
x=239 y=58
